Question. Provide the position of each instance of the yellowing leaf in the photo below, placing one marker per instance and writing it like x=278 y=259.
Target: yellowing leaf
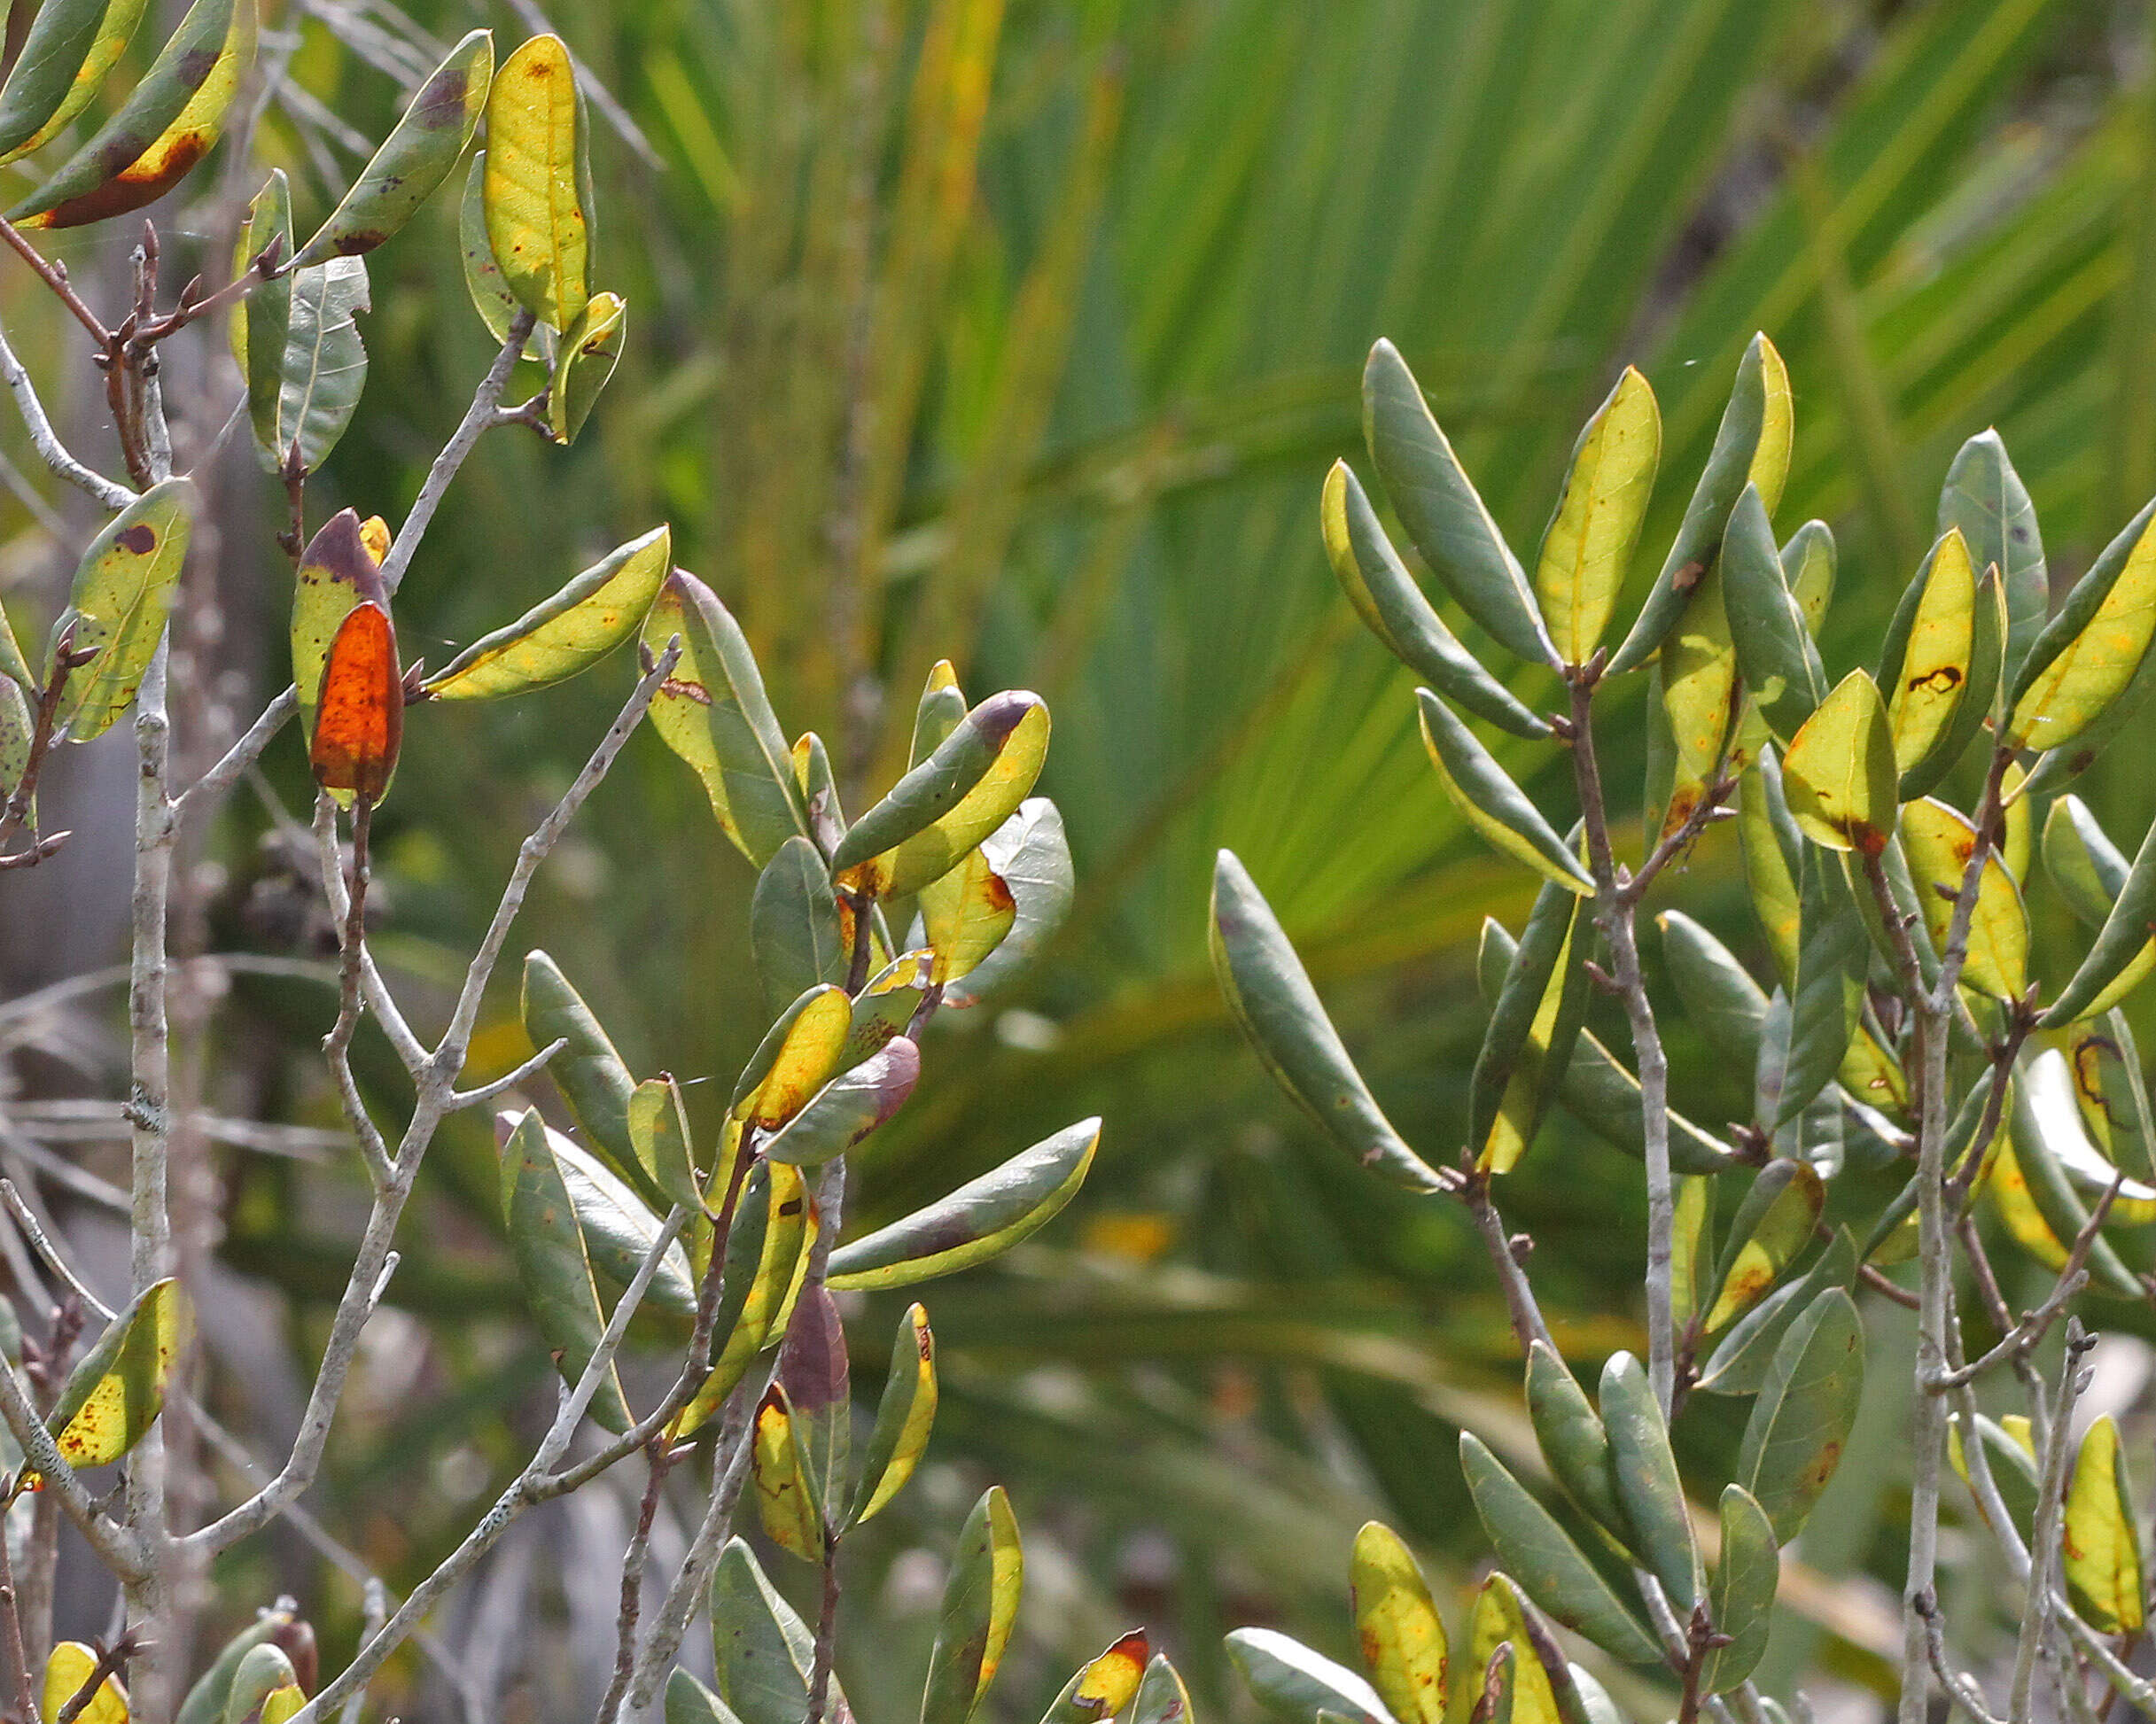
x=1769 y=468
x=536 y=222
x=1501 y=1619
x=566 y=632
x=2103 y=1550
x=122 y=595
x=2089 y=650
x=1588 y=545
x=71 y=45
x=904 y=1418
x=791 y=1516
x=1403 y=1639
x=115 y=1392
x=72 y=1665
x=966 y=913
x=1939 y=841
x=1699 y=668
x=1933 y=670
x=589 y=351
x=1839 y=775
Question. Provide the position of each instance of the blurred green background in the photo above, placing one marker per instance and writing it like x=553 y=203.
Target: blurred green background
x=1023 y=333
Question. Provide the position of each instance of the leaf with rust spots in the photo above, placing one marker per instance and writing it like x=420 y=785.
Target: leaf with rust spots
x=1926 y=666
x=1939 y=841
x=1538 y=1681
x=766 y=1255
x=490 y=296
x=536 y=195
x=796 y=1057
x=1162 y=1698
x=1773 y=1226
x=1104 y=1685
x=2113 y=1098
x=1031 y=856
x=980 y=1604
x=337 y=572
x=566 y=632
x=416 y=157
x=1293 y=1683
x=1403 y=1638
x=70 y=47
x=967 y=914
x=904 y=1418
x=786 y=1500
x=2090 y=652
x=359 y=715
x=117 y=608
x=848 y=1108
x=166 y=126
x=1801 y=1420
x=589 y=351
x=886 y=1005
x=1839 y=775
x=117 y=1389
x=553 y=1267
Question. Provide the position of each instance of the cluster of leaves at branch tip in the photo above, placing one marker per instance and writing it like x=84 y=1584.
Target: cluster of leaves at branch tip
x=1853 y=791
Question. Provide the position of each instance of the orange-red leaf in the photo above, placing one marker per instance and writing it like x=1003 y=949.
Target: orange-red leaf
x=359 y=723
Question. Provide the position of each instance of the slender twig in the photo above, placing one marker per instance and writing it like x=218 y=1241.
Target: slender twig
x=2043 y=1532
x=478 y=418
x=532 y=1486
x=65 y=661
x=2073 y=1276
x=55 y=276
x=1614 y=917
x=1959 y=1684
x=658 y=1456
x=118 y=1547
x=41 y=1242
x=18 y=1653
x=827 y=1634
x=437 y=1073
x=46 y=441
x=243 y=754
x=1520 y=1302
x=482 y=1094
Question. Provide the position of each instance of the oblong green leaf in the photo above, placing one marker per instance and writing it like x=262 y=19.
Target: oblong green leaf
x=763 y=1652
x=849 y=1107
x=972 y=783
x=2085 y=868
x=1775 y=653
x=1824 y=999
x=165 y=127
x=1297 y=1684
x=1571 y=1437
x=658 y=1132
x=713 y=712
x=1270 y=996
x=1984 y=499
x=1809 y=568
x=980 y=1604
x=1437 y=504
x=1800 y=1422
x=796 y=933
x=1161 y=1698
x=1604 y=1096
x=1385 y=596
x=981 y=1219
x=552 y=1265
x=536 y=221
x=1839 y=775
x=904 y=1418
x=1587 y=548
x=301 y=398
x=1496 y=807
x=1740 y=1360
x=2088 y=654
x=1541 y=1556
x=592 y=1077
x=1751 y=447
x=18 y=730
x=2123 y=938
x=689 y=1702
x=1718 y=994
x=1649 y=1485
x=619 y=1226
x=1742 y=1597
x=70 y=46
x=1403 y=1639
x=568 y=632
x=117 y=608
x=415 y=158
